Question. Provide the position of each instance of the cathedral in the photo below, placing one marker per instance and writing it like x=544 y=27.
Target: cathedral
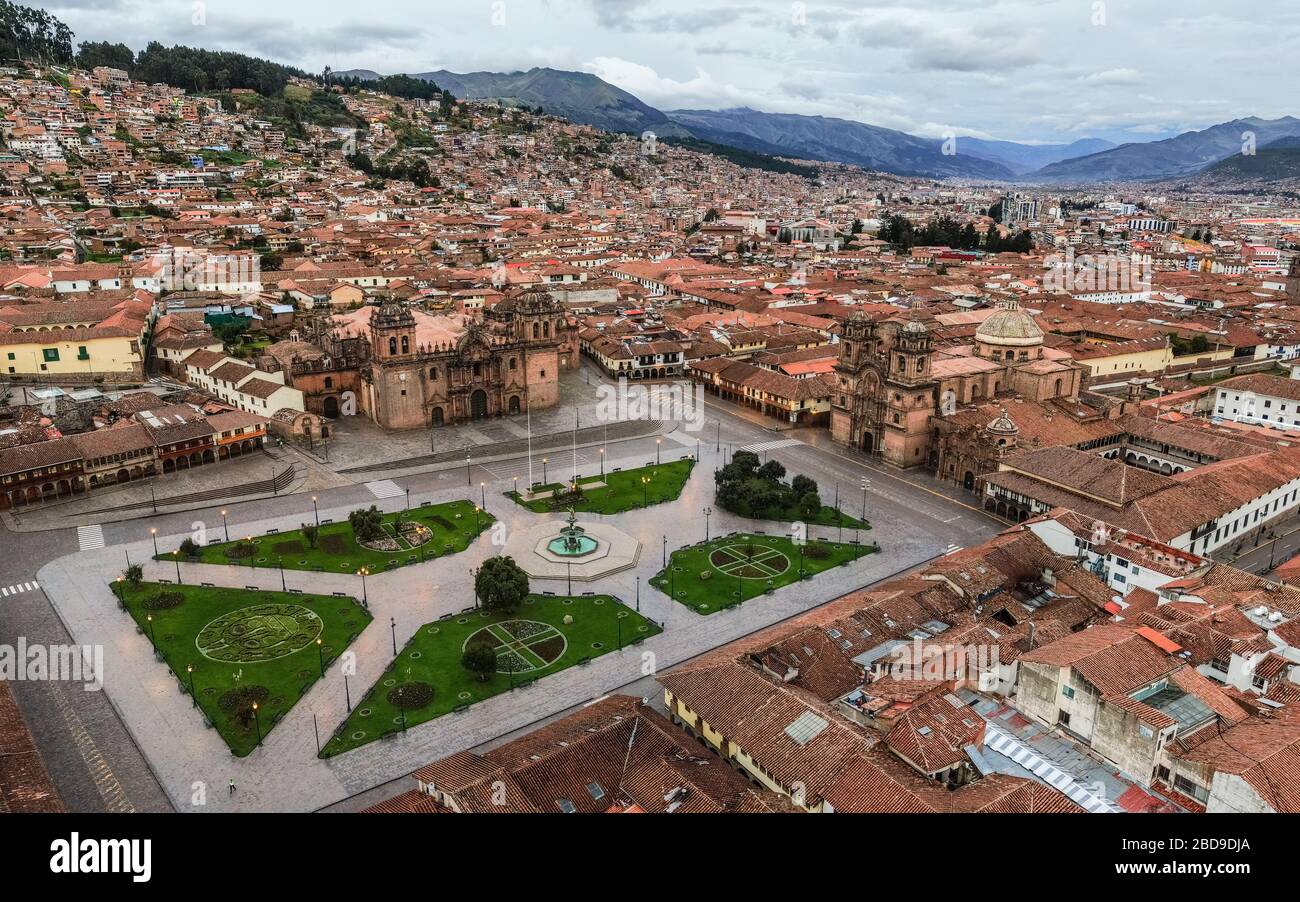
x=893 y=381
x=410 y=369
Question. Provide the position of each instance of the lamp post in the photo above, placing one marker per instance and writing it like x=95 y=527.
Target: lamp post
x=468 y=481
x=717 y=441
x=320 y=656
x=544 y=482
x=347 y=693
x=708 y=512
x=365 y=597
x=516 y=488
x=153 y=534
x=619 y=621
x=284 y=586
x=645 y=491
x=665 y=551
x=602 y=464
x=258 y=723
x=839 y=518
x=176 y=558
x=638 y=594
x=149 y=619
x=658 y=443
x=474 y=572
x=482 y=495
x=314 y=508
x=226 y=528
x=408 y=497
x=478 y=521
x=189 y=668
x=392 y=622
x=568 y=566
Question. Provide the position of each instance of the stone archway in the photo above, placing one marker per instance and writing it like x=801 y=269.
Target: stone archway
x=868 y=443
x=514 y=404
x=968 y=481
x=330 y=405
x=478 y=406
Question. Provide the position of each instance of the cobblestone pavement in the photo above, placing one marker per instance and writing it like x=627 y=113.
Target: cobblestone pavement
x=285 y=774
x=914 y=520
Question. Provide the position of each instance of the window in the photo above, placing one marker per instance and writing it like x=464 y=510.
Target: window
x=50 y=355
x=82 y=353
x=1063 y=717
x=1145 y=731
x=1067 y=691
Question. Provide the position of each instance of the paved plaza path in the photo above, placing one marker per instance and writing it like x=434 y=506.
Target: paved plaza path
x=193 y=764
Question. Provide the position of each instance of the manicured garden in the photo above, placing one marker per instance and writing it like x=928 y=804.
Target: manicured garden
x=247 y=648
x=731 y=569
x=428 y=679
x=622 y=490
x=394 y=540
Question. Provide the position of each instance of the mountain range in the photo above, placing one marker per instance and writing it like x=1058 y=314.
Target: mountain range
x=585 y=98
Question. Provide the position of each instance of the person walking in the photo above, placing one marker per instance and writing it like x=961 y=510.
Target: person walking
x=232 y=786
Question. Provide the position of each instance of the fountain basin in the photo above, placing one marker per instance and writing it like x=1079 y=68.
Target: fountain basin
x=576 y=546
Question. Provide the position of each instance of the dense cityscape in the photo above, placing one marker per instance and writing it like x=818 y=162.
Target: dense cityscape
x=1019 y=422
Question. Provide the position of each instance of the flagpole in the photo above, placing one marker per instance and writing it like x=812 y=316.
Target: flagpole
x=530 y=448
x=575 y=446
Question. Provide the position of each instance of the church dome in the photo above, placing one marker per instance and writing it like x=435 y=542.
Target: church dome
x=1009 y=327
x=1002 y=425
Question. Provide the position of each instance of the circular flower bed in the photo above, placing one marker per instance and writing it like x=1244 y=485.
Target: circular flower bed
x=410 y=695
x=238 y=702
x=164 y=600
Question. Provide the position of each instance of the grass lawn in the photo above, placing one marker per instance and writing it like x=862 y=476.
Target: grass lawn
x=534 y=640
x=623 y=490
x=825 y=517
x=450 y=528
x=706 y=577
x=244 y=646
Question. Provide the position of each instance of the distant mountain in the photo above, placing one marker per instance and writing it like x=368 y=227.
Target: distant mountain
x=1022 y=158
x=1274 y=162
x=1181 y=155
x=576 y=96
x=363 y=74
x=835 y=140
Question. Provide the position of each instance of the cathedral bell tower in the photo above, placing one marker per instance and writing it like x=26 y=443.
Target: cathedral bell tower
x=393 y=332
x=909 y=361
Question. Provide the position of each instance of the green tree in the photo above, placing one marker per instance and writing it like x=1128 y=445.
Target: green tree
x=311 y=532
x=480 y=659
x=134 y=575
x=501 y=585
x=367 y=523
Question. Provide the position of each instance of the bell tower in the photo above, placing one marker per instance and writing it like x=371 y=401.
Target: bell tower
x=910 y=357
x=393 y=332
x=1293 y=281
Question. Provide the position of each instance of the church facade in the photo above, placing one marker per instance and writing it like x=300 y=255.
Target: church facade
x=893 y=383
x=408 y=369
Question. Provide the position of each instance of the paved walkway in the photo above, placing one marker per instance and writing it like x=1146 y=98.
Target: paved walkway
x=285 y=773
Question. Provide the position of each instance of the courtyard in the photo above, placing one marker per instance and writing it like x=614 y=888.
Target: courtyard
x=246 y=656
x=547 y=634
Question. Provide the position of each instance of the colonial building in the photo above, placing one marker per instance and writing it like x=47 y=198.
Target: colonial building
x=419 y=370
x=893 y=381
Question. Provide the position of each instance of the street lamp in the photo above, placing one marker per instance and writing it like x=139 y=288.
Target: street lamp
x=482 y=495
x=347 y=693
x=645 y=491
x=638 y=594
x=468 y=481
x=320 y=655
x=365 y=597
x=516 y=488
x=176 y=557
x=153 y=534
x=226 y=528
x=284 y=587
x=544 y=482
x=189 y=668
x=665 y=551
x=314 y=508
x=257 y=721
x=568 y=566
x=478 y=521
x=152 y=641
x=658 y=443
x=717 y=442
x=602 y=464
x=392 y=622
x=708 y=512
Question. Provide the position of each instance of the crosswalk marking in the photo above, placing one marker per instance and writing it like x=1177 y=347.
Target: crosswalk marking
x=90 y=537
x=951 y=549
x=760 y=447
x=385 y=488
x=18 y=587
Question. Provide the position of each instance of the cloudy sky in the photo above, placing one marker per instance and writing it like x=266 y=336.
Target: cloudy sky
x=1027 y=70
